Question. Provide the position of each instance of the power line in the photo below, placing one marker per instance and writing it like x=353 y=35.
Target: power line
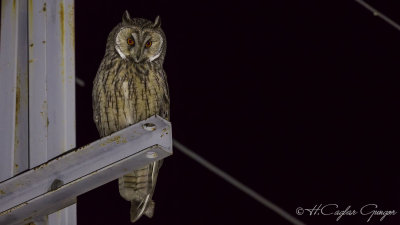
x=378 y=14
x=237 y=184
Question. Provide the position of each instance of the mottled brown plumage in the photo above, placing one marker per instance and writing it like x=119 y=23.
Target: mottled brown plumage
x=131 y=86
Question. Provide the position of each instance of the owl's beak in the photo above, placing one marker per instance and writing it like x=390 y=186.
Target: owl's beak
x=138 y=58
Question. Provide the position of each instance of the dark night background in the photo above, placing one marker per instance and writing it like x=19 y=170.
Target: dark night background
x=296 y=99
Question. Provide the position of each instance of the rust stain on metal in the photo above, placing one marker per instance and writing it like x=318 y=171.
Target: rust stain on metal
x=29 y=218
x=62 y=36
x=30 y=12
x=13 y=208
x=164 y=132
x=123 y=140
x=117 y=139
x=14 y=5
x=71 y=23
x=2 y=192
x=30 y=25
x=82 y=148
x=41 y=166
x=62 y=156
x=18 y=97
x=44 y=7
x=43 y=113
x=17 y=109
x=61 y=13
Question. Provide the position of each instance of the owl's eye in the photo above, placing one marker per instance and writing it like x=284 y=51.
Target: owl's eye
x=130 y=41
x=148 y=44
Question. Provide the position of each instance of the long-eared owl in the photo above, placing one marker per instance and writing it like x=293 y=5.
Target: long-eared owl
x=131 y=86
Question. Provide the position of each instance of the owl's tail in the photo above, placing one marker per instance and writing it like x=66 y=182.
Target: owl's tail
x=138 y=188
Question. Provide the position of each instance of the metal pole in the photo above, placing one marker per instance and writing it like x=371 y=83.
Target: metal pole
x=52 y=87
x=13 y=89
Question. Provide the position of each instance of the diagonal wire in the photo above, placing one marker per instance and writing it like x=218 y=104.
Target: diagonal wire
x=378 y=14
x=237 y=183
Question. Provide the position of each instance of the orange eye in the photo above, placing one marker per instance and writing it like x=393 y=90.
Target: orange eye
x=130 y=41
x=148 y=44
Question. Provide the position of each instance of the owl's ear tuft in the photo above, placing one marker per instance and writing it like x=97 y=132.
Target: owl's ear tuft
x=126 y=18
x=157 y=22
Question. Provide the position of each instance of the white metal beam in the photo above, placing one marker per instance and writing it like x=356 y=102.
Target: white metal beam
x=52 y=86
x=55 y=184
x=13 y=89
x=52 y=79
x=60 y=69
x=38 y=113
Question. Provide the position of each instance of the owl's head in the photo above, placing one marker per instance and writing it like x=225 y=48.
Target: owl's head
x=138 y=40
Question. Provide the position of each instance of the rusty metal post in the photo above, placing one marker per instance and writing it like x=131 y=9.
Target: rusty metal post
x=51 y=87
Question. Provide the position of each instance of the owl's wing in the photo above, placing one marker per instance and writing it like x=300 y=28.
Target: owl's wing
x=166 y=97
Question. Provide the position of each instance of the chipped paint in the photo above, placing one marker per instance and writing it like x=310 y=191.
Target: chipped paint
x=117 y=139
x=41 y=166
x=13 y=208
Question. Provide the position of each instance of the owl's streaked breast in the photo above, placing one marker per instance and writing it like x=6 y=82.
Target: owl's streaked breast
x=130 y=93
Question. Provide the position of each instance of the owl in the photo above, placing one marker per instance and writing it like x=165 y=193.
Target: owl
x=131 y=86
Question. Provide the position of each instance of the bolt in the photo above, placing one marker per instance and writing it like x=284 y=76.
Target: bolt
x=56 y=184
x=151 y=155
x=149 y=126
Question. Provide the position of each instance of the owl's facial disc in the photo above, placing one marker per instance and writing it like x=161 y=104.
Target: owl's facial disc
x=139 y=45
x=153 y=43
x=124 y=41
x=120 y=52
x=158 y=53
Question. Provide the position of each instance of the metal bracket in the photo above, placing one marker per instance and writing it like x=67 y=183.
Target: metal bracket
x=56 y=183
